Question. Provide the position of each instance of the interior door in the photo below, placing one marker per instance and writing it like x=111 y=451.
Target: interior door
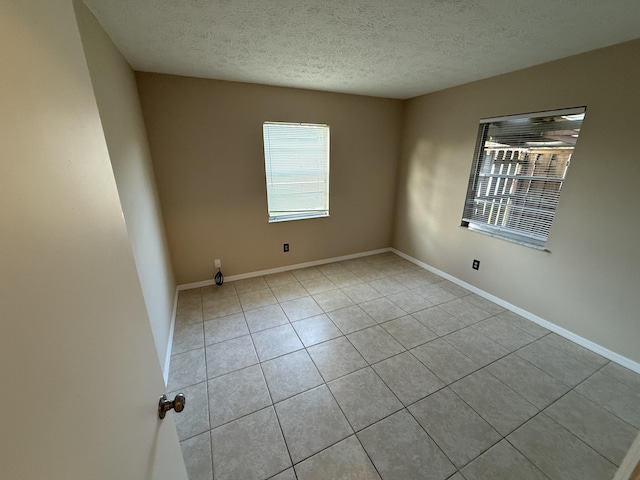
x=79 y=375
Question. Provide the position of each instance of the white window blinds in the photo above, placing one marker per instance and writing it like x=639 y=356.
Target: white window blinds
x=517 y=175
x=297 y=170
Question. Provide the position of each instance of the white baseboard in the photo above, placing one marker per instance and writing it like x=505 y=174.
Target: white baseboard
x=167 y=358
x=270 y=271
x=588 y=344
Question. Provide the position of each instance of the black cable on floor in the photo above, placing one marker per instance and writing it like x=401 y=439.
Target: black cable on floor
x=219 y=278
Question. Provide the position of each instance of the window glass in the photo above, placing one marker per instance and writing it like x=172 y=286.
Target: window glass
x=297 y=170
x=518 y=172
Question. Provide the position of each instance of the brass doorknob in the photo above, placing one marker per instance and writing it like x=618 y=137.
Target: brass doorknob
x=165 y=405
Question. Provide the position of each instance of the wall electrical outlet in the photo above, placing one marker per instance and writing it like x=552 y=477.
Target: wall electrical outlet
x=285 y=247
x=218 y=263
x=476 y=264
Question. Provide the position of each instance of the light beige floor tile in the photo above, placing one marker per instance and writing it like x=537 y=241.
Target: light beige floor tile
x=300 y=308
x=387 y=286
x=237 y=394
x=351 y=319
x=435 y=294
x=316 y=330
x=613 y=396
x=444 y=360
x=257 y=299
x=187 y=337
x=191 y=296
x=187 y=369
x=345 y=279
x=221 y=307
x=311 y=422
x=288 y=474
x=306 y=273
x=457 y=290
x=265 y=317
x=355 y=263
x=332 y=268
x=500 y=406
x=484 y=304
x=523 y=324
x=556 y=363
x=623 y=375
x=346 y=460
x=438 y=321
x=527 y=380
x=410 y=301
x=250 y=285
x=318 y=285
x=216 y=291
x=415 y=279
x=482 y=350
x=368 y=274
x=234 y=354
x=196 y=452
x=504 y=333
x=189 y=310
x=282 y=278
x=375 y=344
x=194 y=419
x=364 y=398
x=464 y=311
x=361 y=293
x=225 y=328
x=382 y=310
x=408 y=331
x=238 y=453
x=574 y=350
x=559 y=454
x=336 y=358
x=400 y=449
x=409 y=379
x=290 y=291
x=276 y=341
x=502 y=462
x=291 y=374
x=595 y=426
x=459 y=431
x=332 y=300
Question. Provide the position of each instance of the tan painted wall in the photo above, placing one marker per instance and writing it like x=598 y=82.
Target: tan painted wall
x=115 y=90
x=78 y=368
x=590 y=282
x=206 y=143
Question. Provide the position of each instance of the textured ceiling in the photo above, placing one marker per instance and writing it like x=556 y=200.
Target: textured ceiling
x=386 y=48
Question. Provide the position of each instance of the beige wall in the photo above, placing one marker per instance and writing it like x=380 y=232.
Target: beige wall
x=206 y=143
x=119 y=106
x=80 y=376
x=590 y=282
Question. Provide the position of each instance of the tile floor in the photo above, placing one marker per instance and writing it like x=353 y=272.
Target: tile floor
x=375 y=368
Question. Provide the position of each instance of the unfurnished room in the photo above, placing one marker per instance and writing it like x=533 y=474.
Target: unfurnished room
x=304 y=240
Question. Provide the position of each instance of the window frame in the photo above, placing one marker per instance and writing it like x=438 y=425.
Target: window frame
x=321 y=168
x=534 y=223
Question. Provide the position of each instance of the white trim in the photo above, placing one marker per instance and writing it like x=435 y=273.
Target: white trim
x=588 y=344
x=167 y=358
x=242 y=276
x=548 y=113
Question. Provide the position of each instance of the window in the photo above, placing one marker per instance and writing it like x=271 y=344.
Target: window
x=296 y=157
x=518 y=171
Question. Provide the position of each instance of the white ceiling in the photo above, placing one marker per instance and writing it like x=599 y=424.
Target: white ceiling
x=386 y=48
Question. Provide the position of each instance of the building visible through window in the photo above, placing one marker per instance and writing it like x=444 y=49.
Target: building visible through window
x=296 y=159
x=519 y=168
